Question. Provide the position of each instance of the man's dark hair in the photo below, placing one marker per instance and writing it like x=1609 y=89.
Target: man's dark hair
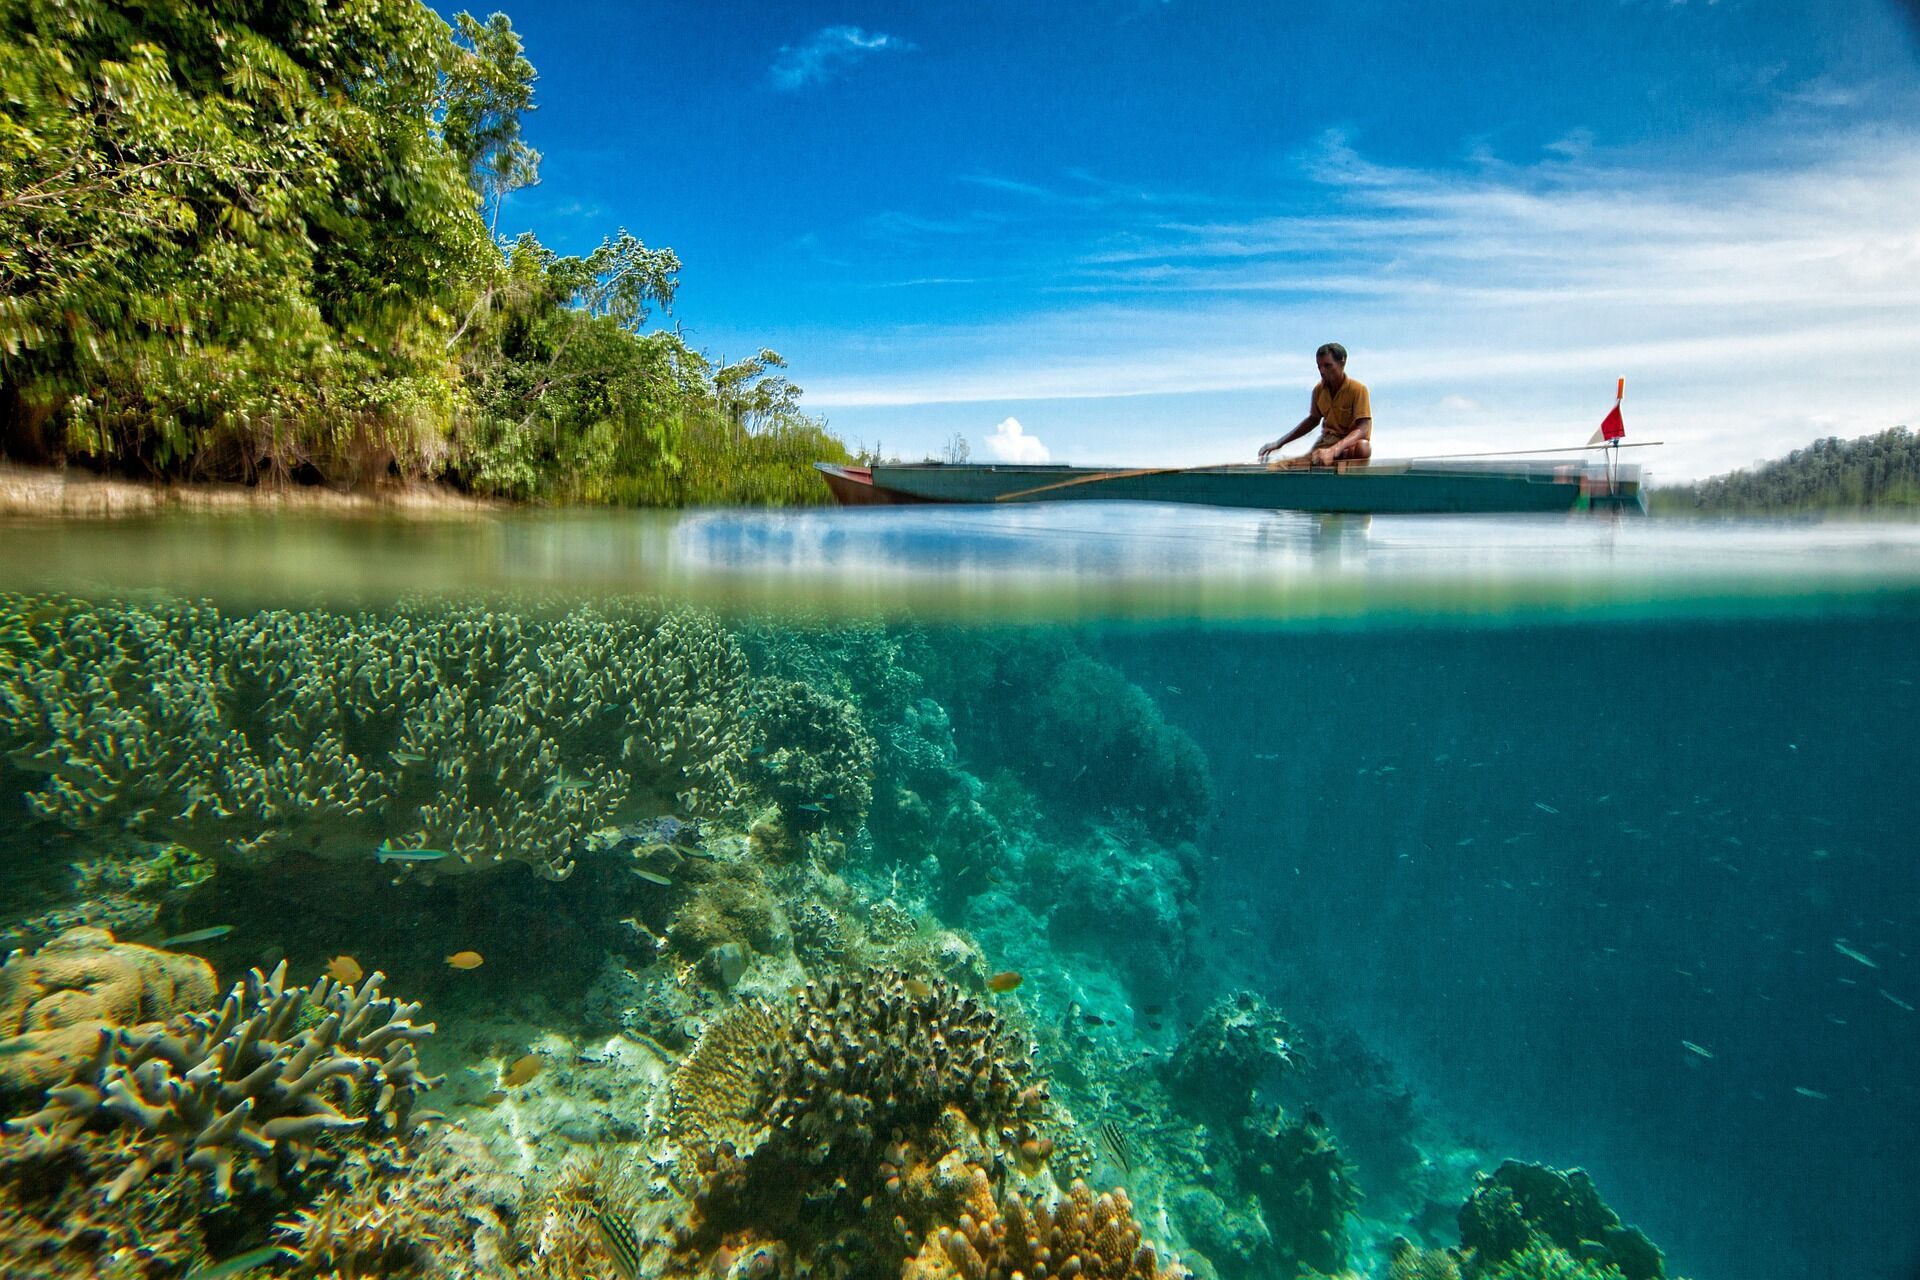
x=1334 y=349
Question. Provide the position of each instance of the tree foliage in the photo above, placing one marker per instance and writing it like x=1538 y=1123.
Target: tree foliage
x=1828 y=475
x=253 y=238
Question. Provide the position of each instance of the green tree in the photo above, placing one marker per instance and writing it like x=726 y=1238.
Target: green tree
x=487 y=91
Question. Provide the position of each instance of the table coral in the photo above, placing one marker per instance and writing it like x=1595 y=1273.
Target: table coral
x=243 y=1090
x=54 y=1002
x=494 y=735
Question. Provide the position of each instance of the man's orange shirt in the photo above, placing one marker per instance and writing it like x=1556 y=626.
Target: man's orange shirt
x=1339 y=411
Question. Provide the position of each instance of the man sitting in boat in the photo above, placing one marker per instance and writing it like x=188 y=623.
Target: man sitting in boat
x=1339 y=407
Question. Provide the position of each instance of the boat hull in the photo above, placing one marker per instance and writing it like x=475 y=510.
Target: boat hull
x=1380 y=488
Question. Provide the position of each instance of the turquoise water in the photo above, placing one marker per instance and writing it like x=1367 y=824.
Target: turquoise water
x=1338 y=861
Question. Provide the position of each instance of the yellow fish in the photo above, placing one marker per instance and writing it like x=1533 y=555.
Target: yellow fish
x=345 y=969
x=1004 y=981
x=521 y=1071
x=466 y=960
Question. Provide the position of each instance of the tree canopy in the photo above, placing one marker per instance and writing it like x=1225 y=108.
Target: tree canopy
x=1828 y=475
x=256 y=238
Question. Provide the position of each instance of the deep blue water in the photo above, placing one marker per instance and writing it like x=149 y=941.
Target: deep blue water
x=1531 y=862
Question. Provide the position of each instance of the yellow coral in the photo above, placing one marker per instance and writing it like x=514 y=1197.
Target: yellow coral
x=1084 y=1235
x=717 y=1093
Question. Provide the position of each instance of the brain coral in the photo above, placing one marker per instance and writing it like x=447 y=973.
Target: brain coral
x=54 y=1002
x=242 y=1090
x=495 y=735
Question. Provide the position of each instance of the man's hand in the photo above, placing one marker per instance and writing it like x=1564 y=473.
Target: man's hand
x=1322 y=457
x=1266 y=449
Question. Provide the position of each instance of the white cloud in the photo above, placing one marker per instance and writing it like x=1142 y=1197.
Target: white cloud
x=826 y=53
x=1738 y=305
x=1459 y=404
x=1011 y=443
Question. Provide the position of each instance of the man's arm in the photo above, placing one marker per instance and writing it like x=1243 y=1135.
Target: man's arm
x=1307 y=424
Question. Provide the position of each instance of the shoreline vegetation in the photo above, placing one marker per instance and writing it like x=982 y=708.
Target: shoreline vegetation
x=262 y=245
x=1879 y=473
x=1830 y=476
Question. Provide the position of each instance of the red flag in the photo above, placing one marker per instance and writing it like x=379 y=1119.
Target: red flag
x=1613 y=426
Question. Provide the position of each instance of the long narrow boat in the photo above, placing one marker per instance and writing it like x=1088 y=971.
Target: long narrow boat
x=1413 y=487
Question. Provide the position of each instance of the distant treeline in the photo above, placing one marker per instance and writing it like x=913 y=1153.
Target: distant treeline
x=1827 y=475
x=259 y=239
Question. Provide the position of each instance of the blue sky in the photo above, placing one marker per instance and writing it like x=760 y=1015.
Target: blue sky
x=1126 y=226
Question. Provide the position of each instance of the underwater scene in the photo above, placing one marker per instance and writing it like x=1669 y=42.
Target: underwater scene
x=1072 y=892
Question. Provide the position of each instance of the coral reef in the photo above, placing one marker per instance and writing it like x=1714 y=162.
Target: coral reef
x=253 y=1089
x=1238 y=1045
x=1409 y=1262
x=492 y=736
x=1129 y=900
x=1082 y=1236
x=55 y=1001
x=54 y=1226
x=1526 y=1207
x=814 y=754
x=1305 y=1189
x=447 y=1215
x=794 y=1124
x=1086 y=738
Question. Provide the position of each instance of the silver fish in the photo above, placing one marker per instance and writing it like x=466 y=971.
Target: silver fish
x=238 y=1265
x=388 y=853
x=1847 y=951
x=207 y=934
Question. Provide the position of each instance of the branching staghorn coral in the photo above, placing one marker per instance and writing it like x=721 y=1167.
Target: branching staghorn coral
x=242 y=1090
x=1085 y=1236
x=489 y=734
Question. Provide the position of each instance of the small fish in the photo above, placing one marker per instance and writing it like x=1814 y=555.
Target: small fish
x=1839 y=944
x=566 y=784
x=1897 y=1002
x=407 y=757
x=1694 y=1048
x=810 y=808
x=466 y=960
x=1174 y=688
x=1094 y=1020
x=387 y=852
x=345 y=969
x=207 y=934
x=1003 y=982
x=1805 y=1092
x=1153 y=1010
x=493 y=1099
x=652 y=877
x=621 y=1241
x=1544 y=807
x=237 y=1265
x=918 y=988
x=523 y=1070
x=1114 y=1139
